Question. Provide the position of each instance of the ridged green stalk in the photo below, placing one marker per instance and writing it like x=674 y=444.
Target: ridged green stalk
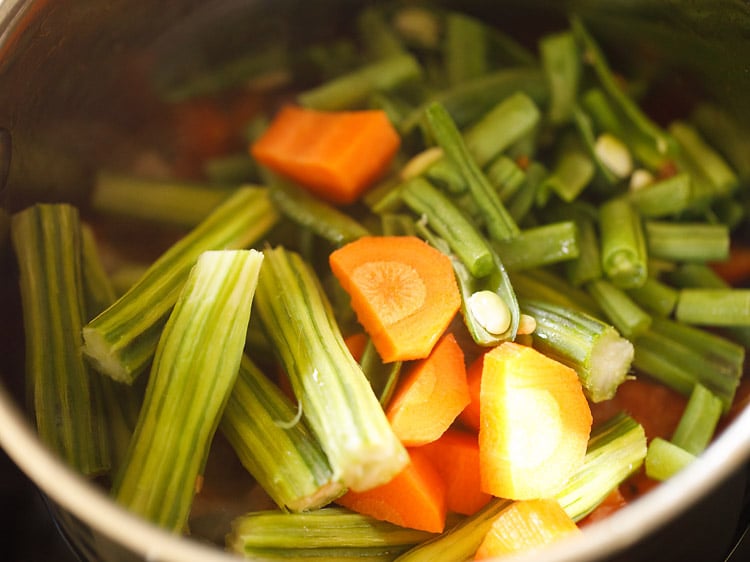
x=597 y=352
x=275 y=446
x=336 y=398
x=64 y=392
x=332 y=533
x=193 y=373
x=121 y=341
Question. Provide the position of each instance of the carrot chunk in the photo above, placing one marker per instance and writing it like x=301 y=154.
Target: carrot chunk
x=403 y=291
x=526 y=525
x=414 y=498
x=456 y=456
x=535 y=423
x=431 y=395
x=335 y=154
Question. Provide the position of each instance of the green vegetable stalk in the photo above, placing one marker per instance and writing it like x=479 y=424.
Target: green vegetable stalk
x=275 y=445
x=336 y=398
x=64 y=392
x=120 y=342
x=332 y=533
x=194 y=370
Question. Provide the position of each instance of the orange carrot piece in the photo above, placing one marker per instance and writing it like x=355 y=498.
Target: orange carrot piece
x=403 y=291
x=335 y=154
x=535 y=423
x=430 y=395
x=456 y=456
x=414 y=498
x=524 y=526
x=470 y=415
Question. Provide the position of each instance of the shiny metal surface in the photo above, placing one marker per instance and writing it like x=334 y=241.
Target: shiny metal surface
x=72 y=99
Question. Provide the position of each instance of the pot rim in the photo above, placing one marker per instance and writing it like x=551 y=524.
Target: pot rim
x=89 y=503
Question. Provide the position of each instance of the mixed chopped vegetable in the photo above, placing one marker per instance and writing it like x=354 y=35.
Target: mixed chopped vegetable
x=426 y=300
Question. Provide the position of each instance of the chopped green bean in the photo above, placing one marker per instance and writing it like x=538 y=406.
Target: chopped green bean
x=623 y=244
x=686 y=241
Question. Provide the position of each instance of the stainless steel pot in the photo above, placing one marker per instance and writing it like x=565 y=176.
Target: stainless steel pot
x=69 y=103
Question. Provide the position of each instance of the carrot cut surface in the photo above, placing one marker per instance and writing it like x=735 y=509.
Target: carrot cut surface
x=535 y=423
x=335 y=154
x=456 y=456
x=526 y=525
x=414 y=498
x=469 y=417
x=403 y=291
x=430 y=396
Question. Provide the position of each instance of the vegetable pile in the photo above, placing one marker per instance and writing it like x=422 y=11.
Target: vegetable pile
x=427 y=299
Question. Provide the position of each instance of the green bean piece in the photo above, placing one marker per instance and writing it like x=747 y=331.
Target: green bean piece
x=351 y=90
x=698 y=422
x=548 y=286
x=465 y=48
x=664 y=198
x=572 y=171
x=539 y=246
x=702 y=276
x=726 y=134
x=64 y=392
x=637 y=122
x=498 y=222
x=192 y=376
x=450 y=224
x=587 y=266
x=120 y=342
x=585 y=126
x=561 y=62
x=274 y=445
x=467 y=102
x=625 y=315
x=483 y=300
x=336 y=398
x=655 y=296
x=623 y=244
x=679 y=356
x=510 y=120
x=687 y=241
x=714 y=307
x=703 y=160
x=312 y=213
x=665 y=459
x=444 y=174
x=506 y=176
x=594 y=348
x=163 y=201
x=522 y=202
